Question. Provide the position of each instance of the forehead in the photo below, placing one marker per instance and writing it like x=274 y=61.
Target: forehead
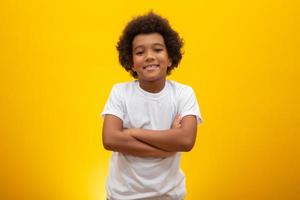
x=147 y=39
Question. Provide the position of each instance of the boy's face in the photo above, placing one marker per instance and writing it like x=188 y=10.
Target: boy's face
x=150 y=57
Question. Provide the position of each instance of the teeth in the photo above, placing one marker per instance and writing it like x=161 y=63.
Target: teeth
x=151 y=66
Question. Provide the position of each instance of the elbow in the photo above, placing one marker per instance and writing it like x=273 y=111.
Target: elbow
x=188 y=141
x=107 y=144
x=110 y=140
x=188 y=145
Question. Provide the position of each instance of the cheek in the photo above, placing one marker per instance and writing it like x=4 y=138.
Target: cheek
x=136 y=61
x=164 y=57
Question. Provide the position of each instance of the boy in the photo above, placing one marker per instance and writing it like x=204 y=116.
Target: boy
x=149 y=121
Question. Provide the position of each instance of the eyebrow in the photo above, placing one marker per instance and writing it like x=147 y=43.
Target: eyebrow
x=160 y=44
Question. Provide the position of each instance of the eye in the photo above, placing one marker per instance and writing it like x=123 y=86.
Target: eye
x=139 y=53
x=158 y=50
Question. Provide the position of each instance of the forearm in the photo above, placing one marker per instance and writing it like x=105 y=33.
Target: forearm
x=125 y=143
x=169 y=140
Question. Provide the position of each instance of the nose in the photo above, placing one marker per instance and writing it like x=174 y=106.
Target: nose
x=149 y=56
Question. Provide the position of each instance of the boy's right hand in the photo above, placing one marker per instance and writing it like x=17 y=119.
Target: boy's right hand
x=177 y=122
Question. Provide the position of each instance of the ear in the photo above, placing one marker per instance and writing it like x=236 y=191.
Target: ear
x=170 y=62
x=132 y=68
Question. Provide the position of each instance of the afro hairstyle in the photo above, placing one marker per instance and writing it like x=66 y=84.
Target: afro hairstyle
x=144 y=24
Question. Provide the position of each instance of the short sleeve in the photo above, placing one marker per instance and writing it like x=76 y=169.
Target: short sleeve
x=114 y=104
x=188 y=104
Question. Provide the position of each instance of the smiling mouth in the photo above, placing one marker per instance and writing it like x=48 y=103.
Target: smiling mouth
x=150 y=67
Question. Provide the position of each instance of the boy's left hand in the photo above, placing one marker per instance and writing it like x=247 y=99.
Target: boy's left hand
x=177 y=122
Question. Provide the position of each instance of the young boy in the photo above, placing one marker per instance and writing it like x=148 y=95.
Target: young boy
x=149 y=121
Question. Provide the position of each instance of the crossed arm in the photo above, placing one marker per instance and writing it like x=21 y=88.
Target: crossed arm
x=149 y=143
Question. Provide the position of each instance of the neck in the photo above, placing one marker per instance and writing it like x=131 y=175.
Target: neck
x=152 y=86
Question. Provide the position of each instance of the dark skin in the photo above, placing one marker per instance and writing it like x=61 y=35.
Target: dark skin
x=150 y=62
x=115 y=138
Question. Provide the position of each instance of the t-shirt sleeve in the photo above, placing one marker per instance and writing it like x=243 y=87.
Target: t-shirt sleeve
x=188 y=104
x=114 y=104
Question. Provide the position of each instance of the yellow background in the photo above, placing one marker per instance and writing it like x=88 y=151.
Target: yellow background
x=58 y=63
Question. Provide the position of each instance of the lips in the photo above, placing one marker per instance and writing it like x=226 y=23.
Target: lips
x=151 y=67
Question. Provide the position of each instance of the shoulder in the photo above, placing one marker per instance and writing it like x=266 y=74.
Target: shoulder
x=180 y=88
x=123 y=90
x=124 y=86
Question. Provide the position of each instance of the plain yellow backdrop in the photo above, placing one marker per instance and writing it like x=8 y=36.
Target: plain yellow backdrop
x=58 y=63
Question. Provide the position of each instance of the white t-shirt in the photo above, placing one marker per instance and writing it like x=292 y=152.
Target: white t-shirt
x=134 y=177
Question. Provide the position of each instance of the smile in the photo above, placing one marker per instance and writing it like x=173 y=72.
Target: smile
x=151 y=67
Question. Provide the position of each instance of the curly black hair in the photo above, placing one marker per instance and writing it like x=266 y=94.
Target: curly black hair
x=149 y=23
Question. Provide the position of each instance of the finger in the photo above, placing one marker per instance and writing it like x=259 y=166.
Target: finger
x=177 y=117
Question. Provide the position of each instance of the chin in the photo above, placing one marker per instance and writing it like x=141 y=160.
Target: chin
x=149 y=79
x=152 y=79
